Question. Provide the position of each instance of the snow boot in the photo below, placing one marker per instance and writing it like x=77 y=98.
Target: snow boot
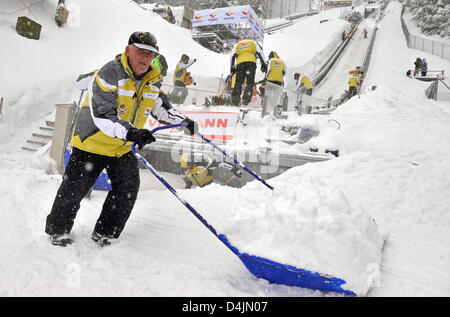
x=101 y=240
x=62 y=240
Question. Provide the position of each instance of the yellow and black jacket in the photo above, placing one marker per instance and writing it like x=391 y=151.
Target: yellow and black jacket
x=116 y=101
x=304 y=81
x=246 y=51
x=179 y=75
x=276 y=69
x=201 y=173
x=353 y=81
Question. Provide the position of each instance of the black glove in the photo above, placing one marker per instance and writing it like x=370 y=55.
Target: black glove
x=263 y=67
x=191 y=128
x=236 y=171
x=140 y=136
x=232 y=69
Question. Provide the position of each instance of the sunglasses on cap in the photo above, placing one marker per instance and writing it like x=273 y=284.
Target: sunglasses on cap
x=144 y=40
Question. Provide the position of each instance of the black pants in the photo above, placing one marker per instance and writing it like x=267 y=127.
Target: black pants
x=244 y=71
x=180 y=91
x=81 y=173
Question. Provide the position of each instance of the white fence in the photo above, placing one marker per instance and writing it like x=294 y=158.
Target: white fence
x=430 y=46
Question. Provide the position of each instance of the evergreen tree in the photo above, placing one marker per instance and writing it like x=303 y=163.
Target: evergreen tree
x=431 y=16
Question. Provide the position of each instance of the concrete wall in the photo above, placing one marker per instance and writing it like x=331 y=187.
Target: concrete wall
x=63 y=122
x=283 y=8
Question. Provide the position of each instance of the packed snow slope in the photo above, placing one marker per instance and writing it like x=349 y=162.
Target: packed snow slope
x=98 y=30
x=393 y=168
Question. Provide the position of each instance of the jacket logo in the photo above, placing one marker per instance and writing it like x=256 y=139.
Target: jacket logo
x=147 y=112
x=122 y=109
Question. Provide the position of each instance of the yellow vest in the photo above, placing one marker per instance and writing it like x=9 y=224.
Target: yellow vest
x=353 y=81
x=276 y=68
x=132 y=106
x=305 y=81
x=245 y=51
x=179 y=74
x=199 y=176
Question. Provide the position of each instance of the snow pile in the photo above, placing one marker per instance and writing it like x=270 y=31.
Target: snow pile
x=304 y=223
x=305 y=50
x=87 y=42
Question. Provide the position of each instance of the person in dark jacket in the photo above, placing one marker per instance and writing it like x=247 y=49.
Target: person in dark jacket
x=417 y=66
x=121 y=95
x=424 y=67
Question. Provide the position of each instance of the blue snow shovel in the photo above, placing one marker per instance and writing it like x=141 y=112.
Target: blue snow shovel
x=270 y=270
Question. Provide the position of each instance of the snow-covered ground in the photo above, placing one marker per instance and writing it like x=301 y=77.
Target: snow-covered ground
x=391 y=181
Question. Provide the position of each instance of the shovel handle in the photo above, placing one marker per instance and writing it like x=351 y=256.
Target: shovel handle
x=235 y=161
x=164 y=127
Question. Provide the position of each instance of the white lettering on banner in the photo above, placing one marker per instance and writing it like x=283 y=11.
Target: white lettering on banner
x=229 y=15
x=213 y=125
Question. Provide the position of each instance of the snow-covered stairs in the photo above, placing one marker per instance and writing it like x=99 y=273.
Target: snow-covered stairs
x=41 y=138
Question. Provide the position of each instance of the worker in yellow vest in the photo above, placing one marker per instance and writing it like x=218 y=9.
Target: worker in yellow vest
x=353 y=83
x=243 y=63
x=198 y=169
x=303 y=80
x=230 y=82
x=275 y=74
x=170 y=16
x=179 y=76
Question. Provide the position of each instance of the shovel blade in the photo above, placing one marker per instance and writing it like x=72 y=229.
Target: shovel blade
x=279 y=273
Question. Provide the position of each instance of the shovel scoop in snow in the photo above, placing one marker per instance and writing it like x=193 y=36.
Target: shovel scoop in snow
x=272 y=271
x=279 y=273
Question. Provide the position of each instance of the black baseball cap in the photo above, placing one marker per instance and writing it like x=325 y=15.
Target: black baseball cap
x=144 y=40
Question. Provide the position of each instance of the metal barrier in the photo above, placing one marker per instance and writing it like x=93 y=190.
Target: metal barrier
x=194 y=96
x=368 y=56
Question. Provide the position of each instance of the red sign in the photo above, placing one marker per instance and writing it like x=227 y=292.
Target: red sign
x=213 y=125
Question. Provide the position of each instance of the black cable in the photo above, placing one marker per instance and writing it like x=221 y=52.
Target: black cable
x=336 y=122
